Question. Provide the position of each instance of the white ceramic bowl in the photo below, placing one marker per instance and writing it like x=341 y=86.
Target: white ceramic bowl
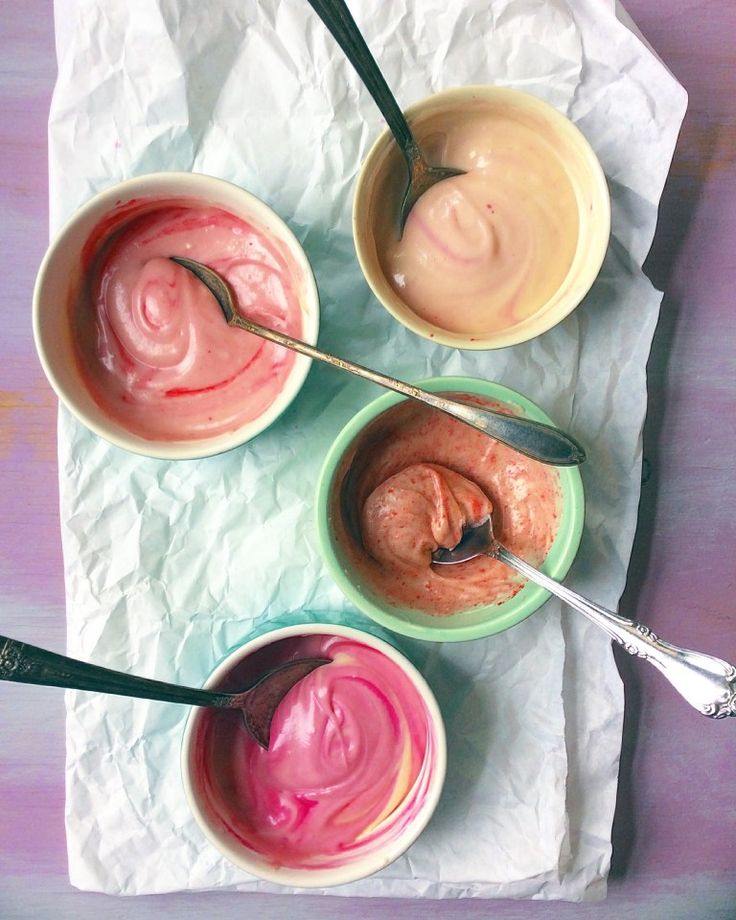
x=405 y=824
x=60 y=276
x=382 y=181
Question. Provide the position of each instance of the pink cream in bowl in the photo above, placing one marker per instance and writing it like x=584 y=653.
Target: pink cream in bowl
x=152 y=343
x=353 y=772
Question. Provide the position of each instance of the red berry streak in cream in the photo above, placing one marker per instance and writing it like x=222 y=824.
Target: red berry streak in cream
x=152 y=343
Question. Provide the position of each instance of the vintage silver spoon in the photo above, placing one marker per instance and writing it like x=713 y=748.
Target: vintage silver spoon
x=27 y=664
x=707 y=683
x=534 y=439
x=336 y=16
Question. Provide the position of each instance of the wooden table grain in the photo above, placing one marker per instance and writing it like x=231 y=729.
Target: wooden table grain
x=675 y=827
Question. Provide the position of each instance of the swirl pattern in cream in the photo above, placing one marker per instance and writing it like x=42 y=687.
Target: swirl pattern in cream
x=349 y=764
x=483 y=251
x=415 y=478
x=153 y=343
x=418 y=510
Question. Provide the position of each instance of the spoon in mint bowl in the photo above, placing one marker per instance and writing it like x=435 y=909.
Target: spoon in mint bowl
x=707 y=683
x=28 y=664
x=339 y=21
x=534 y=439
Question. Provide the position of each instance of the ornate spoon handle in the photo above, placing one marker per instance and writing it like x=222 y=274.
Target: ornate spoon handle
x=28 y=664
x=707 y=683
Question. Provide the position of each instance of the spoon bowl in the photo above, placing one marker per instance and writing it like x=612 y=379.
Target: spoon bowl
x=534 y=439
x=422 y=177
x=707 y=683
x=28 y=664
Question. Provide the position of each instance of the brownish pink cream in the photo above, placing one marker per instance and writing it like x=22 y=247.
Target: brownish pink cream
x=152 y=343
x=410 y=484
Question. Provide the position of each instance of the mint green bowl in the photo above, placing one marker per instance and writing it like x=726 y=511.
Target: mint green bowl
x=480 y=621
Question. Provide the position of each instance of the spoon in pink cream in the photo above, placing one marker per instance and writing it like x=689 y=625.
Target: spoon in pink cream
x=533 y=439
x=338 y=19
x=28 y=664
x=707 y=683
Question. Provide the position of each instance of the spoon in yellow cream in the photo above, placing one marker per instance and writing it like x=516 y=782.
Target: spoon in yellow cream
x=336 y=16
x=534 y=439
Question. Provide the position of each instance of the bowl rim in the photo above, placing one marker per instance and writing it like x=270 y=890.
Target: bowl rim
x=500 y=617
x=196 y=186
x=542 y=320
x=360 y=867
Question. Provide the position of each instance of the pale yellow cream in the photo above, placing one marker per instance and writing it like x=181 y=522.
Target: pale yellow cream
x=483 y=251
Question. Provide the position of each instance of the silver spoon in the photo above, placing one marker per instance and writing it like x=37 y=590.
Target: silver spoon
x=534 y=439
x=27 y=664
x=707 y=683
x=336 y=16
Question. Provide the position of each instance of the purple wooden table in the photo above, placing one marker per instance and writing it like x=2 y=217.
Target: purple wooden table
x=675 y=827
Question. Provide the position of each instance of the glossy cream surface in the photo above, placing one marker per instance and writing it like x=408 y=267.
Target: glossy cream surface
x=483 y=251
x=415 y=511
x=415 y=478
x=350 y=760
x=152 y=342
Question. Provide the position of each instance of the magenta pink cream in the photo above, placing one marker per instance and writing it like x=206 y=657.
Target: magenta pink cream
x=349 y=765
x=153 y=345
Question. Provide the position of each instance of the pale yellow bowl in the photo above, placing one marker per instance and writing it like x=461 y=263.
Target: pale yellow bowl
x=382 y=181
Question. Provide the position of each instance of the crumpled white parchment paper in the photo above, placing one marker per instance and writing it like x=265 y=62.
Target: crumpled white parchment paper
x=168 y=565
